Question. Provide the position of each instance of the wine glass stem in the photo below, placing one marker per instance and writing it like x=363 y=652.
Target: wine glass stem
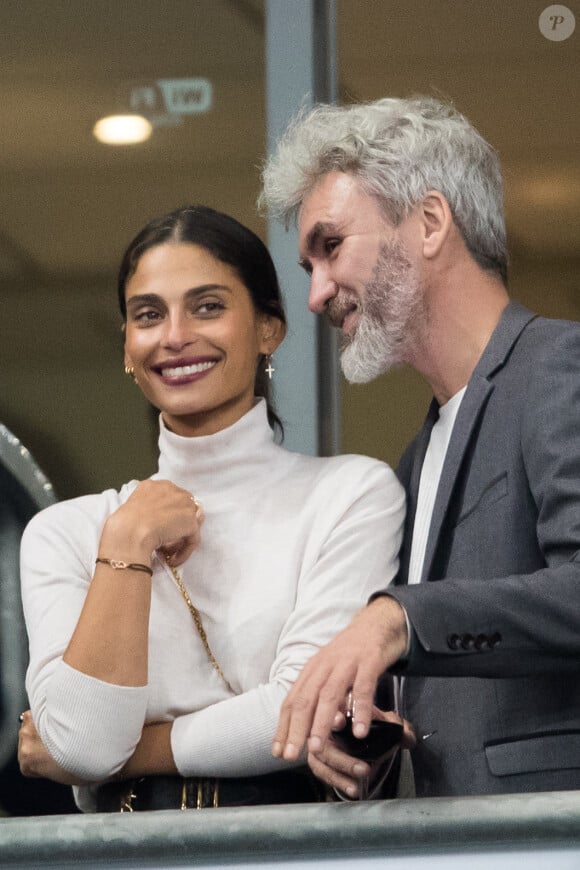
x=363 y=789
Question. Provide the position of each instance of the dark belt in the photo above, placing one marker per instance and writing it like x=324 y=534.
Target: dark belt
x=190 y=793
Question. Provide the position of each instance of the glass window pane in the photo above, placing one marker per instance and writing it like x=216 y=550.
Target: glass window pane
x=520 y=88
x=69 y=204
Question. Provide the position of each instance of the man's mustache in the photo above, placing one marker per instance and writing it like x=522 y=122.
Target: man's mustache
x=338 y=307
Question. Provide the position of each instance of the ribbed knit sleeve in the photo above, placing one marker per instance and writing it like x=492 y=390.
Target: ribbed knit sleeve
x=74 y=702
x=90 y=727
x=351 y=551
x=232 y=738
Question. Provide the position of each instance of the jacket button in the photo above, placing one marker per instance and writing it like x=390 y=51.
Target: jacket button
x=481 y=642
x=495 y=639
x=453 y=641
x=467 y=641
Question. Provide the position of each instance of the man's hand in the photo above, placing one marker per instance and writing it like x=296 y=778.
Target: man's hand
x=352 y=662
x=344 y=772
x=34 y=758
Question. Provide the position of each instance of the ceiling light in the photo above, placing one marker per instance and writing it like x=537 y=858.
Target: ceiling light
x=122 y=129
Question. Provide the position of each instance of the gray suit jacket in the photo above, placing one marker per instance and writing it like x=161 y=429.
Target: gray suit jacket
x=495 y=658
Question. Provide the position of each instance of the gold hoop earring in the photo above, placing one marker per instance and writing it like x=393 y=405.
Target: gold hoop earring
x=269 y=367
x=130 y=370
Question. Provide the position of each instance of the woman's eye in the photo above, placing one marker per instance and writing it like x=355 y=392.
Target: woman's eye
x=144 y=318
x=209 y=307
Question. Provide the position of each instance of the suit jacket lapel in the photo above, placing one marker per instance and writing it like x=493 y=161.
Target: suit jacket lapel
x=480 y=386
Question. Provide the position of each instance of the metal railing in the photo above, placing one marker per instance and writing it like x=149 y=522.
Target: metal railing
x=24 y=490
x=508 y=831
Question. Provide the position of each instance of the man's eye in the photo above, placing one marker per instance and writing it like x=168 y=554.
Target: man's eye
x=330 y=245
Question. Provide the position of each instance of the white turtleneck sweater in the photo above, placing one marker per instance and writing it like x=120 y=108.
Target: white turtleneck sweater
x=291 y=547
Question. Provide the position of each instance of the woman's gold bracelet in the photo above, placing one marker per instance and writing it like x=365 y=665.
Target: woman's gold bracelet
x=117 y=564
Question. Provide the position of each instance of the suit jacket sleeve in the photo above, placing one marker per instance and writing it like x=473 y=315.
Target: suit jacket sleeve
x=508 y=559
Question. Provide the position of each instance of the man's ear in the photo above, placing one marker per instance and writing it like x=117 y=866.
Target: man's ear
x=272 y=332
x=437 y=222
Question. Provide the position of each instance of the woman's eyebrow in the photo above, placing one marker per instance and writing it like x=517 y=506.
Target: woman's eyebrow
x=154 y=298
x=142 y=299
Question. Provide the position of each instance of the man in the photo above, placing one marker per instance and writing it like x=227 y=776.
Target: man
x=401 y=228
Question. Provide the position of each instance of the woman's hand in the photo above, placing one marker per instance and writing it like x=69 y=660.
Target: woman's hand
x=110 y=641
x=34 y=758
x=157 y=516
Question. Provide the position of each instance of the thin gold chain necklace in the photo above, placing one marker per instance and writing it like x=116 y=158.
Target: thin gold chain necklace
x=198 y=623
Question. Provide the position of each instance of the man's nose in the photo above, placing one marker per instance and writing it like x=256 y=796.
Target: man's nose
x=322 y=289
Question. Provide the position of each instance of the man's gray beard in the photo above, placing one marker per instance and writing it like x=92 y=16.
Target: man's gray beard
x=391 y=317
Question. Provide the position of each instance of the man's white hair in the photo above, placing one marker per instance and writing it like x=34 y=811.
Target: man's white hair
x=398 y=150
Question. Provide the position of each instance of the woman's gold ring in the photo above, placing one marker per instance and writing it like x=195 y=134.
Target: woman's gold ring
x=198 y=506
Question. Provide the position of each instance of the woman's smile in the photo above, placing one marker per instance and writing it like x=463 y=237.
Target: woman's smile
x=183 y=371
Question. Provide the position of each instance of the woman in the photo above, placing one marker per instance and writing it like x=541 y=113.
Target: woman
x=164 y=635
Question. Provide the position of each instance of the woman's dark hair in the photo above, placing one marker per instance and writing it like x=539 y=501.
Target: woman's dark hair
x=228 y=241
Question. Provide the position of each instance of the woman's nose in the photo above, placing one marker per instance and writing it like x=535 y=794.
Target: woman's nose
x=178 y=332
